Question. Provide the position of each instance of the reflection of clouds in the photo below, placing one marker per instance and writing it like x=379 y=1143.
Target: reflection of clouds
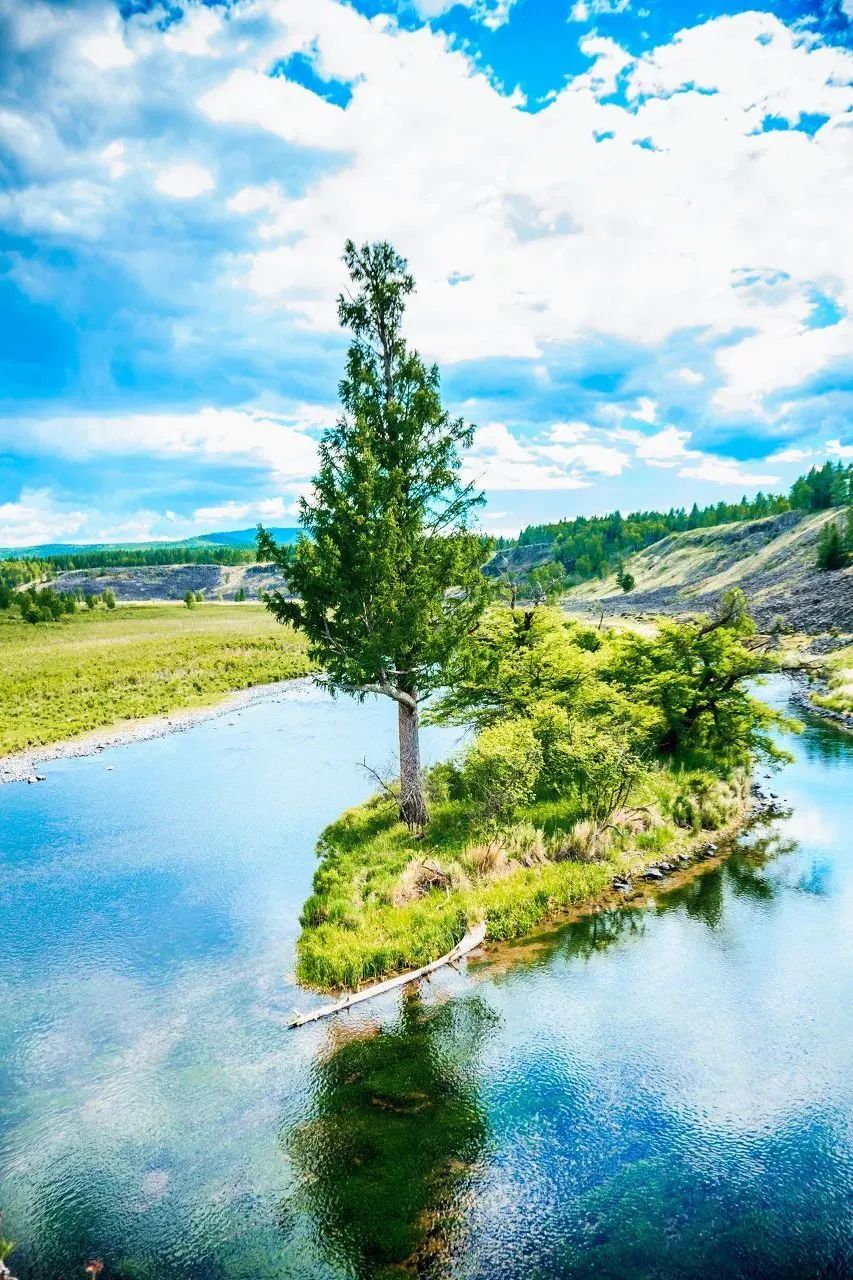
x=809 y=824
x=718 y=1054
x=734 y=1032
x=195 y=1072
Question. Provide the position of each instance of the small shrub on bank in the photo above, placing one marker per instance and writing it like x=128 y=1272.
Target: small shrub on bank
x=502 y=770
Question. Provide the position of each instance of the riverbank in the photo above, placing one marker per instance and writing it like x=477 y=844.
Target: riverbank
x=24 y=766
x=823 y=667
x=102 y=678
x=386 y=900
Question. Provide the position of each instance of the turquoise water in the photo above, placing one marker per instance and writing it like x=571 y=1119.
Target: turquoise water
x=659 y=1092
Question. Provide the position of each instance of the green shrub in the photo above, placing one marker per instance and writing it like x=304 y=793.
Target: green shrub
x=502 y=769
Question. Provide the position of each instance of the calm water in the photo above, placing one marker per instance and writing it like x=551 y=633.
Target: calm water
x=661 y=1092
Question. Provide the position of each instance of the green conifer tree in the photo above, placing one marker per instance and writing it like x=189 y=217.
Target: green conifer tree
x=387 y=574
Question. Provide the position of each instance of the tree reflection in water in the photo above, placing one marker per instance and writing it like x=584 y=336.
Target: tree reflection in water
x=395 y=1127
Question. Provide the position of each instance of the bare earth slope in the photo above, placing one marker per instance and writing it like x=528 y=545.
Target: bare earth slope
x=173 y=581
x=773 y=560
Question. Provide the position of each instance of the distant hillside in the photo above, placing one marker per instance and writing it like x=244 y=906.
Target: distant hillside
x=133 y=584
x=773 y=560
x=240 y=538
x=588 y=548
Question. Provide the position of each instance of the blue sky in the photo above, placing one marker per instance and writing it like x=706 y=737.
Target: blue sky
x=629 y=222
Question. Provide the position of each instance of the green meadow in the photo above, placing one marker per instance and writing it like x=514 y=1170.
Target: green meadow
x=97 y=668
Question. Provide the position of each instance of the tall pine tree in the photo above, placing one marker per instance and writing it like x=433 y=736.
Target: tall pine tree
x=387 y=574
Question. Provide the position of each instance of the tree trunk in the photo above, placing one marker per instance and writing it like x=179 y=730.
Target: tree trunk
x=413 y=810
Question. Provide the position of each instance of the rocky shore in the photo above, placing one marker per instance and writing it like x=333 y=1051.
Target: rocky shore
x=763 y=805
x=841 y=719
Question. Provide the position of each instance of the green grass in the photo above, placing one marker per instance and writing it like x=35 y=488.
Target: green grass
x=359 y=925
x=839 y=678
x=96 y=669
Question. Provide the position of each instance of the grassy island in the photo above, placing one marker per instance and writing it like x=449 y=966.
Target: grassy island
x=595 y=755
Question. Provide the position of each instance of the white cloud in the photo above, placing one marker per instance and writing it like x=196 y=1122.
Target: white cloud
x=569 y=432
x=783 y=355
x=236 y=436
x=790 y=455
x=839 y=450
x=107 y=50
x=193 y=33
x=646 y=410
x=599 y=458
x=185 y=181
x=716 y=199
x=279 y=106
x=521 y=228
x=36 y=518
x=113 y=156
x=583 y=10
x=727 y=472
x=265 y=510
x=666 y=448
x=492 y=13
x=499 y=461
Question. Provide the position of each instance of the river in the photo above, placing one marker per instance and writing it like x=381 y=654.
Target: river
x=660 y=1092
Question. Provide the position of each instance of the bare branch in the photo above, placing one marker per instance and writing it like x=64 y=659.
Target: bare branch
x=388 y=690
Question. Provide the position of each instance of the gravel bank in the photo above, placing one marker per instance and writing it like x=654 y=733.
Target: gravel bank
x=25 y=766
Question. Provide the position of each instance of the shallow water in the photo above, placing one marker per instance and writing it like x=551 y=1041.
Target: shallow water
x=659 y=1092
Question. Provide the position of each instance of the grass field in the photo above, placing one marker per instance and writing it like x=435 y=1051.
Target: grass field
x=93 y=670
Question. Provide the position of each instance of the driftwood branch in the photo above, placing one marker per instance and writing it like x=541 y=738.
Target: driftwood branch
x=473 y=938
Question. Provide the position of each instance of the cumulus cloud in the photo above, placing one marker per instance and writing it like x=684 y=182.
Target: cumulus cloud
x=36 y=517
x=185 y=181
x=667 y=448
x=727 y=471
x=583 y=10
x=713 y=199
x=536 y=236
x=492 y=13
x=282 y=447
x=499 y=462
x=41 y=515
x=791 y=455
x=266 y=510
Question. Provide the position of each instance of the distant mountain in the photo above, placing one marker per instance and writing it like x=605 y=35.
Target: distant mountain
x=237 y=538
x=245 y=537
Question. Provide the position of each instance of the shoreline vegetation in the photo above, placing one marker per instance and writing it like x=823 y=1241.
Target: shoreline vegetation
x=601 y=758
x=413 y=901
x=125 y=672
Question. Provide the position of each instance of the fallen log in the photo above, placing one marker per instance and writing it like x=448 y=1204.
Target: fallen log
x=473 y=938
